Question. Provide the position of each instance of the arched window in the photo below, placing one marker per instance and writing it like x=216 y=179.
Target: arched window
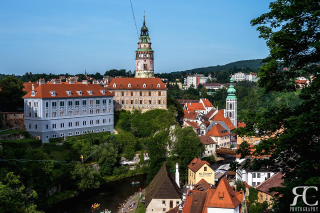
x=144 y=85
x=129 y=85
x=114 y=85
x=230 y=106
x=230 y=114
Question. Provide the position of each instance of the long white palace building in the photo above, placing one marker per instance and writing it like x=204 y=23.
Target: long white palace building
x=67 y=109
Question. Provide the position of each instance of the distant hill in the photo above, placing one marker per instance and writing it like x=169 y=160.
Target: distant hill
x=253 y=64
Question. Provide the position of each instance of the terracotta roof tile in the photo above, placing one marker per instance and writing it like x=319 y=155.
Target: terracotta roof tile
x=229 y=124
x=194 y=106
x=137 y=83
x=193 y=124
x=240 y=124
x=44 y=91
x=219 y=116
x=206 y=140
x=217 y=131
x=274 y=181
x=223 y=197
x=28 y=86
x=194 y=201
x=202 y=185
x=196 y=164
x=209 y=114
x=206 y=102
x=190 y=114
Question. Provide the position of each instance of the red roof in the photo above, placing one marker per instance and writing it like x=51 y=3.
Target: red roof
x=229 y=124
x=219 y=116
x=190 y=114
x=137 y=83
x=28 y=86
x=194 y=201
x=274 y=181
x=300 y=81
x=217 y=131
x=195 y=106
x=203 y=185
x=223 y=197
x=240 y=124
x=196 y=164
x=206 y=140
x=193 y=124
x=44 y=91
x=209 y=114
x=206 y=102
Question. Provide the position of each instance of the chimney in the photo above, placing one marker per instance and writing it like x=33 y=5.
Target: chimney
x=32 y=87
x=42 y=81
x=177 y=175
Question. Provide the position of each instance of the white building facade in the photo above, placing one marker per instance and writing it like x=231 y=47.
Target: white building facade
x=62 y=110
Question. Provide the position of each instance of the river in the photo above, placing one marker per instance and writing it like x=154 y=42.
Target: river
x=111 y=194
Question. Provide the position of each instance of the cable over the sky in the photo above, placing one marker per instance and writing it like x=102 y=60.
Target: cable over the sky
x=134 y=19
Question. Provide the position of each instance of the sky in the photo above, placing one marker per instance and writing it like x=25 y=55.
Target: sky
x=71 y=36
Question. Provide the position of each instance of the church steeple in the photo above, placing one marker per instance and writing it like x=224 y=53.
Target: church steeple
x=231 y=104
x=144 y=54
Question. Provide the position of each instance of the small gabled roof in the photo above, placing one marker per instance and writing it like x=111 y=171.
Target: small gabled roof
x=202 y=185
x=194 y=201
x=196 y=164
x=209 y=114
x=241 y=124
x=219 y=116
x=274 y=181
x=193 y=124
x=217 y=131
x=163 y=186
x=229 y=124
x=190 y=114
x=206 y=140
x=206 y=102
x=223 y=196
x=195 y=106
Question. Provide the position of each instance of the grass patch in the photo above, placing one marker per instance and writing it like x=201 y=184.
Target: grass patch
x=141 y=208
x=57 y=152
x=11 y=131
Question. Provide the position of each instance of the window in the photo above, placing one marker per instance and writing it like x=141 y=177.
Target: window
x=177 y=203
x=91 y=122
x=131 y=101
x=54 y=126
x=159 y=93
x=258 y=183
x=258 y=175
x=253 y=175
x=54 y=104
x=131 y=93
x=253 y=184
x=164 y=209
x=97 y=121
x=84 y=102
x=91 y=102
x=140 y=93
x=61 y=103
x=109 y=120
x=159 y=102
x=62 y=135
x=84 y=112
x=205 y=168
x=97 y=101
x=35 y=114
x=35 y=104
x=76 y=103
x=47 y=114
x=230 y=106
x=54 y=114
x=104 y=121
x=77 y=123
x=140 y=101
x=84 y=123
x=163 y=202
x=70 y=133
x=149 y=93
x=268 y=175
x=54 y=136
x=70 y=124
x=47 y=126
x=97 y=111
x=104 y=101
x=69 y=103
x=77 y=133
x=62 y=125
x=47 y=136
x=47 y=105
x=29 y=104
x=109 y=101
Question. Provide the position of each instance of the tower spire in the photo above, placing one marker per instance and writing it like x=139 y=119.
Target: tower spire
x=144 y=18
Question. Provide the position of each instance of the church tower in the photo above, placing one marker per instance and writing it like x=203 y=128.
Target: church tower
x=144 y=55
x=231 y=104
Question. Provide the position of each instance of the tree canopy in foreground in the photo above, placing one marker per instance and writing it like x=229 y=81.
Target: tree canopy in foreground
x=292 y=32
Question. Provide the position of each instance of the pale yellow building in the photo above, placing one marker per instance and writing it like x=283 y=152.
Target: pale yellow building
x=138 y=93
x=199 y=169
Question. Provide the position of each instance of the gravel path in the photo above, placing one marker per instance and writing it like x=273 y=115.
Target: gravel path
x=134 y=199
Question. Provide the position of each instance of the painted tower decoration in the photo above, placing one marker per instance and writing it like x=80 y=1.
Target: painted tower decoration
x=231 y=104
x=144 y=55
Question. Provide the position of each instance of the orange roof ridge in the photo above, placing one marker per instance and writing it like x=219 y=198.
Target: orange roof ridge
x=196 y=164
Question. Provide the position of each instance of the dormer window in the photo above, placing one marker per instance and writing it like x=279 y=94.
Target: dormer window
x=114 y=85
x=129 y=85
x=69 y=92
x=90 y=92
x=103 y=92
x=79 y=92
x=33 y=93
x=144 y=85
x=158 y=85
x=53 y=93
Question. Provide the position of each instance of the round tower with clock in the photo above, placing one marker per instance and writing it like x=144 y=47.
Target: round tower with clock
x=144 y=55
x=231 y=104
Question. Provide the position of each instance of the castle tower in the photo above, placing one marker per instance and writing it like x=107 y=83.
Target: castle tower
x=231 y=104
x=144 y=55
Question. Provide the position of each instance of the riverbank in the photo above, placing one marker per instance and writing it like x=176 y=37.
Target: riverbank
x=132 y=203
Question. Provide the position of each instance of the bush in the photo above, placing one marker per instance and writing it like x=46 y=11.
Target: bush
x=55 y=140
x=211 y=159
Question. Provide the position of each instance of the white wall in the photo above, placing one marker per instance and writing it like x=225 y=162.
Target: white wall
x=223 y=210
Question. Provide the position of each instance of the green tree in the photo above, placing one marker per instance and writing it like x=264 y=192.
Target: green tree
x=291 y=31
x=85 y=177
x=107 y=158
x=15 y=197
x=187 y=147
x=157 y=151
x=11 y=94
